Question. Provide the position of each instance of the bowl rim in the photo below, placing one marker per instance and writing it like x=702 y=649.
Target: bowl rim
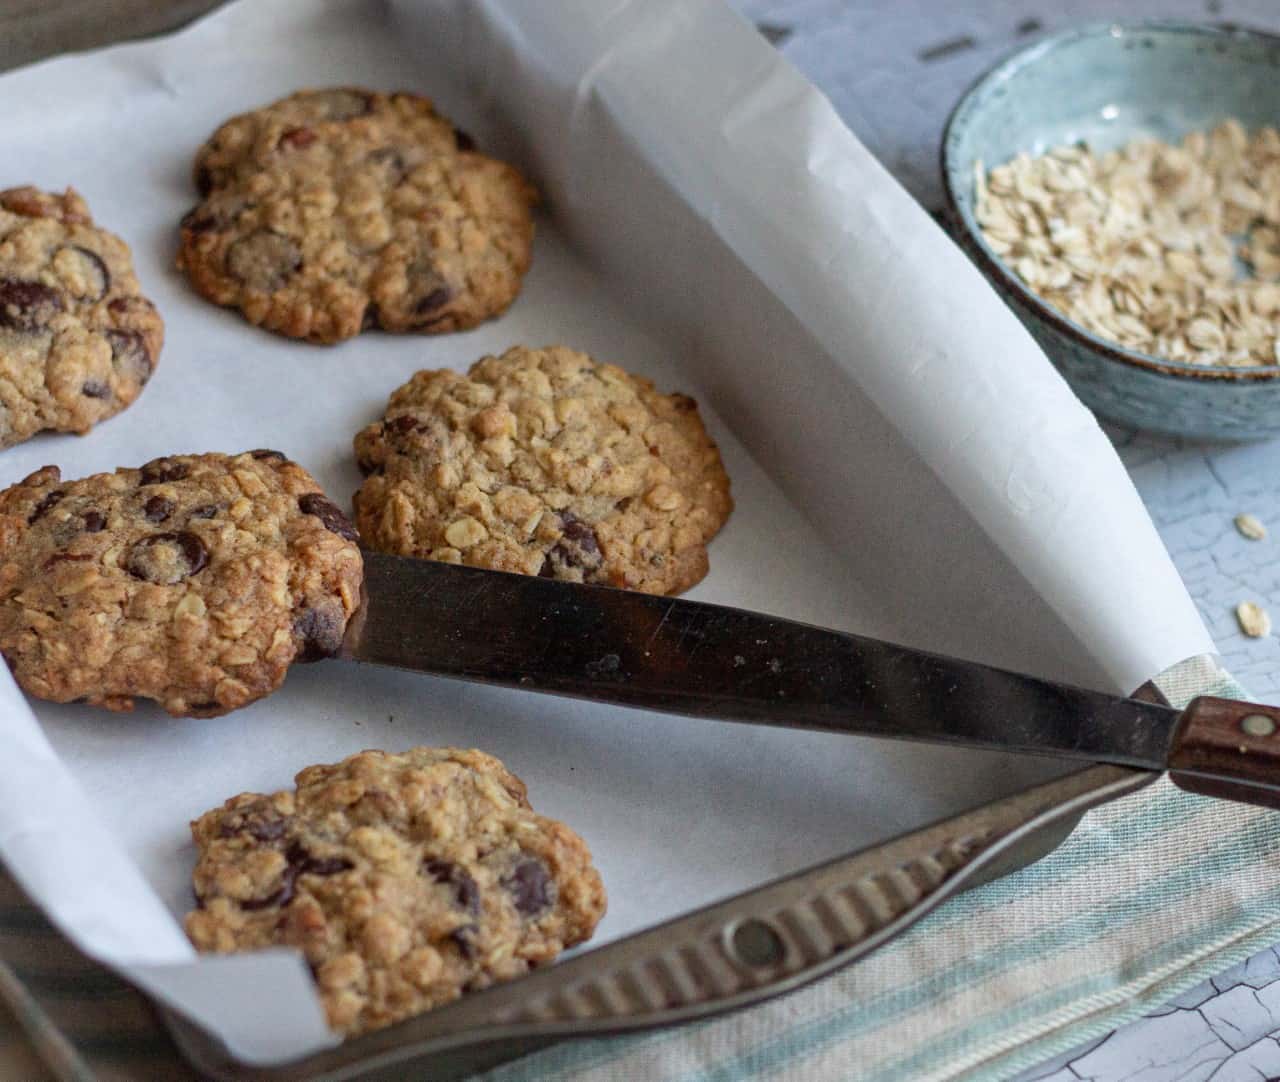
x=995 y=268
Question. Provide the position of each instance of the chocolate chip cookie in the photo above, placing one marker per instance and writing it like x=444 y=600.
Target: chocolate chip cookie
x=545 y=462
x=335 y=211
x=78 y=341
x=195 y=581
x=405 y=880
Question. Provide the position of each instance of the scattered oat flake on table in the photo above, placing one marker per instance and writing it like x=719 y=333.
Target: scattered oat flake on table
x=1144 y=245
x=1250 y=527
x=1254 y=620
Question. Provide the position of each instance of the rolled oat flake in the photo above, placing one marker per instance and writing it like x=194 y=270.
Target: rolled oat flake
x=1250 y=527
x=1254 y=620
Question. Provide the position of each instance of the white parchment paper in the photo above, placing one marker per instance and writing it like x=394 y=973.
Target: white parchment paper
x=905 y=462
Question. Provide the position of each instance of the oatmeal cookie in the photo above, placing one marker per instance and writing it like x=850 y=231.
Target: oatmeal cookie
x=322 y=220
x=195 y=581
x=545 y=462
x=78 y=341
x=405 y=879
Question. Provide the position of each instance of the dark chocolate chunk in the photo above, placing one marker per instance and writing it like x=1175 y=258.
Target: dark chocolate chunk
x=437 y=298
x=203 y=180
x=207 y=511
x=306 y=864
x=45 y=503
x=579 y=534
x=266 y=454
x=161 y=471
x=95 y=388
x=578 y=548
x=279 y=898
x=319 y=630
x=94 y=521
x=531 y=888
x=466 y=895
x=167 y=558
x=119 y=306
x=462 y=140
x=371 y=320
x=259 y=820
x=129 y=354
x=313 y=503
x=406 y=422
x=158 y=508
x=325 y=866
x=67 y=557
x=90 y=272
x=215 y=213
x=200 y=219
x=391 y=160
x=428 y=292
x=464 y=939
x=28 y=306
x=264 y=260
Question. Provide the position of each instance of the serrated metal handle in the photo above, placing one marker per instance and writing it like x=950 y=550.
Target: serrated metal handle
x=732 y=954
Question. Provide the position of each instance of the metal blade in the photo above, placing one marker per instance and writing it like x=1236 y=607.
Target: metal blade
x=686 y=657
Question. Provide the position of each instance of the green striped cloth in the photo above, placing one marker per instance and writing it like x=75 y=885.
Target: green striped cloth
x=1150 y=895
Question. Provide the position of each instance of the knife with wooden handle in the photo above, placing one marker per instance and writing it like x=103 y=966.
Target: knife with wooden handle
x=709 y=661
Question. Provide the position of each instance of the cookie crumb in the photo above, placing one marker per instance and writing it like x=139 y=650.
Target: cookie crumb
x=1250 y=526
x=1254 y=620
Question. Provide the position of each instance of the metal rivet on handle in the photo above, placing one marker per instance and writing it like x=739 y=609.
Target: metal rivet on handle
x=1258 y=724
x=755 y=944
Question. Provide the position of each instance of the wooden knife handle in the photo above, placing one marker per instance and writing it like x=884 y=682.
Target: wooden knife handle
x=1228 y=749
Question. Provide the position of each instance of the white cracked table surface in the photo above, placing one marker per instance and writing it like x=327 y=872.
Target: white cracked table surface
x=894 y=70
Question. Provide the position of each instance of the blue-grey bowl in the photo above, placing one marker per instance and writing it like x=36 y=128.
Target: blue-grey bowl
x=1108 y=84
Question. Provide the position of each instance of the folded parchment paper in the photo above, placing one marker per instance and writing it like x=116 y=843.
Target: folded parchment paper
x=906 y=462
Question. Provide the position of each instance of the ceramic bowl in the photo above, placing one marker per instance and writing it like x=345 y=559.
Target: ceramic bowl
x=1108 y=84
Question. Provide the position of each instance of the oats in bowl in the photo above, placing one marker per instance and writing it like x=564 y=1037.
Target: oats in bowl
x=1169 y=249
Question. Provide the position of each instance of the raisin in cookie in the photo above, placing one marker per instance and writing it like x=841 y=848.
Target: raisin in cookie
x=324 y=216
x=405 y=880
x=195 y=581
x=544 y=462
x=78 y=341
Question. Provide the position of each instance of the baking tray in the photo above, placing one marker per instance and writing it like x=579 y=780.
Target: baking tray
x=755 y=945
